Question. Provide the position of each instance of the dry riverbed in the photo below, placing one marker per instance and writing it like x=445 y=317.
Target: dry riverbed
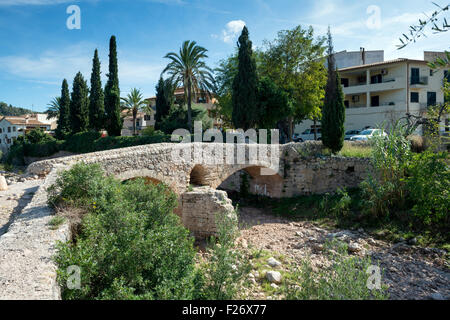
x=410 y=272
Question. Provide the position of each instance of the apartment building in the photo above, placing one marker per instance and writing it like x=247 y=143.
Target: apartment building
x=383 y=92
x=143 y=120
x=13 y=127
x=201 y=99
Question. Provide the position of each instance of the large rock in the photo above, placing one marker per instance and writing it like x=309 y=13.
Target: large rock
x=273 y=262
x=273 y=276
x=3 y=184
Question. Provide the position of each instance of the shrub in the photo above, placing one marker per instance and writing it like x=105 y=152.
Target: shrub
x=428 y=183
x=221 y=275
x=345 y=279
x=82 y=142
x=131 y=245
x=385 y=187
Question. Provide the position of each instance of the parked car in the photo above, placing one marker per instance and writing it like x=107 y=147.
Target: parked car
x=368 y=134
x=308 y=134
x=296 y=137
x=351 y=133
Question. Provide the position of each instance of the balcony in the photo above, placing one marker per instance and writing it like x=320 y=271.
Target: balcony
x=419 y=81
x=386 y=84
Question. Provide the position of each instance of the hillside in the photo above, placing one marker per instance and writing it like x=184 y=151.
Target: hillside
x=9 y=110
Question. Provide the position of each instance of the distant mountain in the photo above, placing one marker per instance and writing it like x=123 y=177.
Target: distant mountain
x=9 y=110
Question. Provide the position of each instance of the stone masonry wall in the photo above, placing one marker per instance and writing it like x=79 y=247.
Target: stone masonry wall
x=200 y=207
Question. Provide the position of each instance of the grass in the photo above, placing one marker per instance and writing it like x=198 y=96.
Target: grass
x=350 y=149
x=56 y=222
x=355 y=150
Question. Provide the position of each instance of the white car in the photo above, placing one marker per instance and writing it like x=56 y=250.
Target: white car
x=308 y=134
x=351 y=133
x=368 y=134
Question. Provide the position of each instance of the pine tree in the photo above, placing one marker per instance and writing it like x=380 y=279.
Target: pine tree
x=64 y=112
x=79 y=106
x=164 y=100
x=245 y=86
x=113 y=121
x=96 y=100
x=333 y=113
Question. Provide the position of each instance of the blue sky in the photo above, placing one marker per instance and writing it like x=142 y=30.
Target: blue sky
x=37 y=50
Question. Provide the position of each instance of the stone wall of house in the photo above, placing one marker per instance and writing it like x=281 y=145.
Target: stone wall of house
x=201 y=207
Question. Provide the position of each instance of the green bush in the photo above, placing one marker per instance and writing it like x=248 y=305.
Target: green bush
x=92 y=141
x=385 y=188
x=345 y=279
x=81 y=142
x=428 y=184
x=406 y=181
x=35 y=143
x=131 y=245
x=220 y=277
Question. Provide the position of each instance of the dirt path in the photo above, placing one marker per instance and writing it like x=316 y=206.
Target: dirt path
x=411 y=272
x=14 y=200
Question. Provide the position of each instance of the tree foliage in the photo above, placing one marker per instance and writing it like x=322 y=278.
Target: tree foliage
x=294 y=61
x=188 y=69
x=133 y=103
x=96 y=101
x=113 y=121
x=333 y=113
x=165 y=100
x=64 y=127
x=245 y=86
x=79 y=105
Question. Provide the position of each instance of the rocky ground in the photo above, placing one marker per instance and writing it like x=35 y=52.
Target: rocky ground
x=410 y=272
x=20 y=191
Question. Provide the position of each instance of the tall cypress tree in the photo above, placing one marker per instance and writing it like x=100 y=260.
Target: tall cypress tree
x=64 y=112
x=245 y=86
x=79 y=106
x=112 y=93
x=333 y=113
x=164 y=100
x=96 y=100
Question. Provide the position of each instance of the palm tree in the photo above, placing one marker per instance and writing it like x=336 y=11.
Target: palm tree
x=189 y=70
x=134 y=102
x=53 y=109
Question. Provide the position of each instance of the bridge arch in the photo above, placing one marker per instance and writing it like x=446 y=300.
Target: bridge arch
x=261 y=181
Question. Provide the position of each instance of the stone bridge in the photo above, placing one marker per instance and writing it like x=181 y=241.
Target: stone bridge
x=27 y=270
x=277 y=171
x=194 y=171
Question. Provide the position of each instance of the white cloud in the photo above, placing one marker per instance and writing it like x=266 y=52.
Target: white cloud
x=51 y=67
x=32 y=2
x=232 y=29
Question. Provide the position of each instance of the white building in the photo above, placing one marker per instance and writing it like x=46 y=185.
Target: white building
x=13 y=127
x=143 y=121
x=383 y=92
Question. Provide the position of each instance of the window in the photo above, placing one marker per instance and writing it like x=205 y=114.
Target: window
x=431 y=72
x=376 y=79
x=346 y=104
x=344 y=82
x=375 y=101
x=414 y=97
x=147 y=117
x=415 y=75
x=9 y=129
x=431 y=98
x=1 y=130
x=14 y=129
